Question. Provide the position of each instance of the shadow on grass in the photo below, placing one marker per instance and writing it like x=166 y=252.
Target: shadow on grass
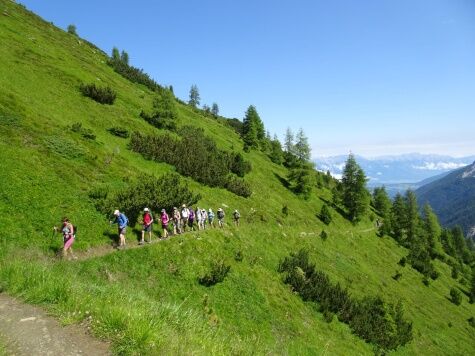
x=283 y=181
x=336 y=208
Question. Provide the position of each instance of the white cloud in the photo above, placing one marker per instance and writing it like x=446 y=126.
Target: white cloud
x=439 y=166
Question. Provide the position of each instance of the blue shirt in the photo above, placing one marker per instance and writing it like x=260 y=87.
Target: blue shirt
x=121 y=220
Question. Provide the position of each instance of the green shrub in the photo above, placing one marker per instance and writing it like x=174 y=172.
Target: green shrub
x=238 y=165
x=397 y=276
x=238 y=257
x=212 y=168
x=471 y=321
x=371 y=318
x=285 y=210
x=455 y=296
x=119 y=131
x=86 y=133
x=133 y=74
x=323 y=235
x=402 y=261
x=325 y=215
x=103 y=95
x=239 y=187
x=164 y=192
x=217 y=273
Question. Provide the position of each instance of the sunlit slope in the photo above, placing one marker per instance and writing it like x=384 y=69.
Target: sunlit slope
x=148 y=300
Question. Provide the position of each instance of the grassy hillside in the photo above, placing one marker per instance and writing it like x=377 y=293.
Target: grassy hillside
x=148 y=300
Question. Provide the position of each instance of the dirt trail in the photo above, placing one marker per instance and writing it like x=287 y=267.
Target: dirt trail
x=28 y=330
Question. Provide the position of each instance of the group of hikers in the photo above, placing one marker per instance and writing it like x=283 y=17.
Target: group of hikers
x=178 y=222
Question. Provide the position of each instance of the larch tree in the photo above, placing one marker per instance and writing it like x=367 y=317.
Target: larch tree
x=355 y=197
x=194 y=96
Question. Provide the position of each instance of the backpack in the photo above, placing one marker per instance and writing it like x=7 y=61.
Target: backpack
x=220 y=214
x=237 y=215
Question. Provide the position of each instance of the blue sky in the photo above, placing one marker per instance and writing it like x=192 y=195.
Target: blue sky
x=374 y=77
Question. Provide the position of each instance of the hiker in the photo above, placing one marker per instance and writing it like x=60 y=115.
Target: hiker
x=220 y=215
x=199 y=218
x=122 y=222
x=165 y=220
x=176 y=221
x=69 y=235
x=211 y=217
x=191 y=218
x=204 y=217
x=147 y=225
x=236 y=217
x=185 y=212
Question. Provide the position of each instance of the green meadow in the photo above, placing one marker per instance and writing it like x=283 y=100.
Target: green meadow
x=148 y=300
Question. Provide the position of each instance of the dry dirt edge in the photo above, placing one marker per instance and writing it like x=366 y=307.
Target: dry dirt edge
x=28 y=330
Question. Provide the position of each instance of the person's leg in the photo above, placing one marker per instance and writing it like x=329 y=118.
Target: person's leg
x=143 y=233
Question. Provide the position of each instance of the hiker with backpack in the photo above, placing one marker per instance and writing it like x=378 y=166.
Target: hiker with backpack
x=211 y=217
x=199 y=218
x=191 y=218
x=176 y=221
x=69 y=235
x=236 y=217
x=220 y=215
x=147 y=225
x=122 y=222
x=165 y=220
x=204 y=217
x=185 y=212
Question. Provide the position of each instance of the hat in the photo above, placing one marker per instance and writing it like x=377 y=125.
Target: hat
x=174 y=208
x=219 y=209
x=210 y=210
x=163 y=210
x=145 y=209
x=183 y=206
x=116 y=212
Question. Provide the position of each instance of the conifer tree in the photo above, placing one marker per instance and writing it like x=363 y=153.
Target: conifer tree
x=382 y=204
x=194 y=96
x=355 y=196
x=398 y=217
x=412 y=216
x=302 y=148
x=302 y=180
x=432 y=230
x=72 y=30
x=124 y=57
x=325 y=215
x=115 y=54
x=472 y=287
x=447 y=241
x=276 y=154
x=215 y=109
x=289 y=141
x=253 y=128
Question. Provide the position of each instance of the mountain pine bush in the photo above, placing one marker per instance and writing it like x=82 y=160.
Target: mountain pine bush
x=103 y=95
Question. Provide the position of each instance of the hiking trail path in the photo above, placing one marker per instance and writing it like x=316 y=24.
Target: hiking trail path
x=28 y=330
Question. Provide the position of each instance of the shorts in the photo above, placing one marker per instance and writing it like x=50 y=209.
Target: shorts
x=190 y=222
x=122 y=231
x=165 y=226
x=147 y=228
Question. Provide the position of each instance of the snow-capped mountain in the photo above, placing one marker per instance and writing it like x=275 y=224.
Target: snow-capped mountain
x=402 y=169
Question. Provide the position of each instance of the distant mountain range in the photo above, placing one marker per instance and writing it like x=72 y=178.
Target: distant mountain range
x=397 y=173
x=453 y=198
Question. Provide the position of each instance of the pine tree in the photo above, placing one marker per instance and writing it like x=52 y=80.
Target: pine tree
x=447 y=241
x=382 y=204
x=194 y=96
x=432 y=230
x=253 y=128
x=472 y=287
x=302 y=148
x=72 y=30
x=325 y=215
x=115 y=54
x=276 y=154
x=215 y=109
x=355 y=196
x=289 y=141
x=412 y=217
x=398 y=217
x=124 y=57
x=302 y=180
